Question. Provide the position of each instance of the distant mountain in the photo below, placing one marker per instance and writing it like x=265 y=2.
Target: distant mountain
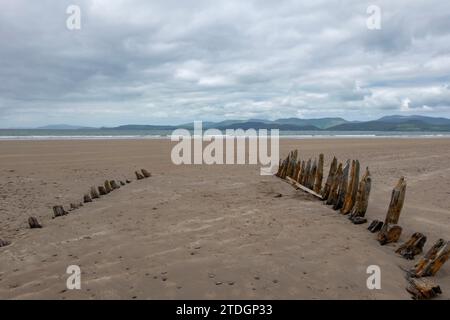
x=142 y=127
x=62 y=127
x=321 y=123
x=268 y=126
x=398 y=123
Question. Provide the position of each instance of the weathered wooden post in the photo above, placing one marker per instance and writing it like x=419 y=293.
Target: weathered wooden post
x=145 y=173
x=102 y=190
x=59 y=211
x=312 y=175
x=34 y=223
x=342 y=187
x=362 y=198
x=391 y=231
x=332 y=198
x=319 y=175
x=302 y=172
x=108 y=186
x=330 y=179
x=350 y=197
x=94 y=193
x=114 y=184
x=4 y=243
x=422 y=288
x=307 y=173
x=413 y=246
x=433 y=260
x=87 y=198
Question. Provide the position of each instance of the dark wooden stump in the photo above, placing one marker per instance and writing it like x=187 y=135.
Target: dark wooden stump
x=94 y=193
x=330 y=180
x=332 y=198
x=102 y=190
x=59 y=211
x=362 y=197
x=350 y=197
x=390 y=232
x=359 y=220
x=433 y=260
x=87 y=198
x=108 y=187
x=122 y=183
x=422 y=288
x=138 y=175
x=342 y=187
x=413 y=246
x=4 y=243
x=34 y=223
x=114 y=184
x=375 y=226
x=127 y=181
x=319 y=175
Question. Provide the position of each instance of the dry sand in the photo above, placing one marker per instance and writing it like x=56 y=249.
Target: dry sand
x=213 y=232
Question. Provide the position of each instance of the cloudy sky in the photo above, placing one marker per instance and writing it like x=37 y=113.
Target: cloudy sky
x=173 y=61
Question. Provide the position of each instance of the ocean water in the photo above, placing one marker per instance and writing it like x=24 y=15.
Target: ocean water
x=98 y=134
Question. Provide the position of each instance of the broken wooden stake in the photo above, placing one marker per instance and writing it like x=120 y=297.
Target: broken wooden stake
x=359 y=220
x=87 y=198
x=350 y=197
x=59 y=211
x=138 y=175
x=4 y=243
x=335 y=186
x=433 y=260
x=94 y=193
x=127 y=181
x=362 y=197
x=413 y=246
x=342 y=187
x=319 y=175
x=74 y=206
x=390 y=232
x=375 y=226
x=102 y=190
x=108 y=187
x=330 y=179
x=114 y=184
x=33 y=223
x=301 y=187
x=422 y=288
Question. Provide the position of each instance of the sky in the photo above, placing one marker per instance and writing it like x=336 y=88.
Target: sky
x=172 y=61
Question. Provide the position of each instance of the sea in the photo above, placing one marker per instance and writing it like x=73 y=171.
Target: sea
x=102 y=134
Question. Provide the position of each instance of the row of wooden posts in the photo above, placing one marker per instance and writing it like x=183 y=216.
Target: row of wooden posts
x=94 y=193
x=347 y=193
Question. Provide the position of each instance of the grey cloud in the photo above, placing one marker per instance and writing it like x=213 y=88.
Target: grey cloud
x=177 y=61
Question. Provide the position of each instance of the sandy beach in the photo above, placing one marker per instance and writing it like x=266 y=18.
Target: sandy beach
x=209 y=232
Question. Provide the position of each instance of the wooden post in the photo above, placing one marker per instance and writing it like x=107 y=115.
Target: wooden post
x=145 y=173
x=102 y=190
x=114 y=184
x=34 y=223
x=302 y=172
x=335 y=186
x=433 y=260
x=59 y=211
x=319 y=175
x=280 y=162
x=342 y=187
x=297 y=170
x=87 y=198
x=94 y=193
x=362 y=197
x=422 y=288
x=4 y=243
x=330 y=179
x=108 y=187
x=312 y=175
x=352 y=191
x=390 y=232
x=413 y=246
x=307 y=172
